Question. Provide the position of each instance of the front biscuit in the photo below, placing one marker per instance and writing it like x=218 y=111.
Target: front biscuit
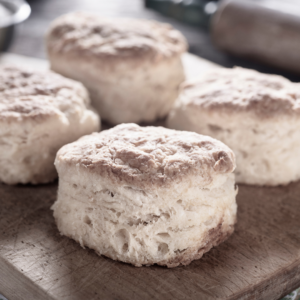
x=146 y=195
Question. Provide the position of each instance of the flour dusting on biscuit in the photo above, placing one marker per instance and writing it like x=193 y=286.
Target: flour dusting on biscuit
x=146 y=195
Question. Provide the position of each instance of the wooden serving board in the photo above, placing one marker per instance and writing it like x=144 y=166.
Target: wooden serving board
x=261 y=260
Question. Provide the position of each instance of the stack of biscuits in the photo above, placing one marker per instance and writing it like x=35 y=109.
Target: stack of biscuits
x=143 y=194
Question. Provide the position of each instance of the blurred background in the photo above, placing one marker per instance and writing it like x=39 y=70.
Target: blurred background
x=259 y=34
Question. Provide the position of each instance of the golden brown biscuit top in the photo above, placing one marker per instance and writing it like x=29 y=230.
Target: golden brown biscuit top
x=36 y=95
x=149 y=156
x=89 y=35
x=238 y=89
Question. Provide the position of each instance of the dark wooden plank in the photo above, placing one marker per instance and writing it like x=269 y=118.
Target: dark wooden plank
x=260 y=261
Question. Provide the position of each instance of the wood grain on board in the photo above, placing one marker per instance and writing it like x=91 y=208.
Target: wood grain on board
x=261 y=260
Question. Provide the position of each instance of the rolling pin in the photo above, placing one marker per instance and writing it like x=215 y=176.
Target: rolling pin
x=263 y=30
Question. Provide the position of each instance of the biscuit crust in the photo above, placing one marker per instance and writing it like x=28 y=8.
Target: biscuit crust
x=243 y=90
x=39 y=113
x=88 y=35
x=27 y=94
x=132 y=68
x=146 y=195
x=149 y=156
x=257 y=115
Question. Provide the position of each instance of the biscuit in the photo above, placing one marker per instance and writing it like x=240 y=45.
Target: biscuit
x=39 y=113
x=132 y=68
x=146 y=195
x=256 y=115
